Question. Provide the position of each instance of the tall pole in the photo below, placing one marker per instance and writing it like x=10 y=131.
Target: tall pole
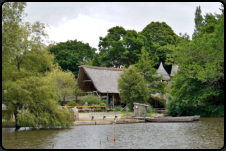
x=107 y=99
x=113 y=100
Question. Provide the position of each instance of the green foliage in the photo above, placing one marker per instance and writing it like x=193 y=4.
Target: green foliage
x=118 y=108
x=103 y=101
x=10 y=121
x=72 y=53
x=198 y=19
x=145 y=66
x=200 y=77
x=90 y=99
x=163 y=39
x=132 y=87
x=24 y=72
x=149 y=109
x=72 y=103
x=176 y=109
x=66 y=83
x=120 y=47
x=156 y=102
x=102 y=104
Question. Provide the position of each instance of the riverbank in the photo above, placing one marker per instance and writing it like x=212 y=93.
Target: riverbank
x=84 y=119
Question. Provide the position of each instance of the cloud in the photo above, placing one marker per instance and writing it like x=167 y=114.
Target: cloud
x=87 y=21
x=83 y=29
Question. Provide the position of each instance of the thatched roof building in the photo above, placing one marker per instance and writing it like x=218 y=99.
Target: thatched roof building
x=162 y=71
x=102 y=81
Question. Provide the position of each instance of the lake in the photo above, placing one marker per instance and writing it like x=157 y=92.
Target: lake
x=206 y=133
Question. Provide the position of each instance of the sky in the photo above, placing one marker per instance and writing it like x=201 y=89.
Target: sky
x=87 y=21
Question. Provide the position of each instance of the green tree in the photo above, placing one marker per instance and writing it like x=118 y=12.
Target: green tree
x=72 y=53
x=27 y=87
x=198 y=19
x=200 y=77
x=162 y=36
x=145 y=66
x=120 y=46
x=12 y=14
x=66 y=83
x=132 y=87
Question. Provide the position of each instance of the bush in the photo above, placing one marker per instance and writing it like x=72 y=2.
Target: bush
x=176 y=109
x=90 y=99
x=103 y=101
x=102 y=104
x=72 y=103
x=149 y=109
x=118 y=108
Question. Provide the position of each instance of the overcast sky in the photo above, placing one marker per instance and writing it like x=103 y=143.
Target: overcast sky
x=86 y=22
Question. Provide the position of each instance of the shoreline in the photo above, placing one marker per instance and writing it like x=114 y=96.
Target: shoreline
x=77 y=123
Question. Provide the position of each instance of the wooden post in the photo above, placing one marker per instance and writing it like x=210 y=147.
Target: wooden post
x=113 y=100
x=114 y=130
x=107 y=99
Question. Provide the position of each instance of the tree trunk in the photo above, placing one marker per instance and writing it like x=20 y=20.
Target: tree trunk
x=18 y=63
x=64 y=101
x=17 y=127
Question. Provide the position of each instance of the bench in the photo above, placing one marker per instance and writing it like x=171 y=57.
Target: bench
x=104 y=114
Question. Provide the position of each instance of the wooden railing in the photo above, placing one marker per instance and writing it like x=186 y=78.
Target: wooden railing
x=161 y=110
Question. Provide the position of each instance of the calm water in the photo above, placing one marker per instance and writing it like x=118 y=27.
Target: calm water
x=206 y=133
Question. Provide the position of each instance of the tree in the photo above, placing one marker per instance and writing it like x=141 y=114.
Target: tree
x=162 y=35
x=36 y=98
x=24 y=77
x=198 y=19
x=66 y=83
x=200 y=78
x=132 y=87
x=70 y=54
x=120 y=46
x=12 y=14
x=145 y=66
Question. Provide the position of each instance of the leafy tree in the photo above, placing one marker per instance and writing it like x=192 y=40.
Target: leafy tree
x=12 y=14
x=162 y=35
x=70 y=54
x=198 y=19
x=145 y=66
x=66 y=83
x=132 y=87
x=23 y=74
x=120 y=46
x=200 y=78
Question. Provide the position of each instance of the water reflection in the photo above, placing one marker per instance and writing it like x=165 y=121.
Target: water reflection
x=206 y=133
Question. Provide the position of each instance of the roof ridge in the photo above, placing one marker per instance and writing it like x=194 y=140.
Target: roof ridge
x=102 y=68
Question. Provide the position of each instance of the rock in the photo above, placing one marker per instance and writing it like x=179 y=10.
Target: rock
x=86 y=104
x=76 y=115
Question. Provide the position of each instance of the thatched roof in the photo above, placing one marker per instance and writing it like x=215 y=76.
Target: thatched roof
x=162 y=71
x=101 y=79
x=174 y=70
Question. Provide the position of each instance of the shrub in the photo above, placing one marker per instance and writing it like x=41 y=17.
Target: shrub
x=118 y=108
x=102 y=104
x=90 y=99
x=72 y=103
x=149 y=109
x=103 y=101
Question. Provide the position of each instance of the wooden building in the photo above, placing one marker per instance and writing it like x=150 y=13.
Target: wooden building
x=101 y=81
